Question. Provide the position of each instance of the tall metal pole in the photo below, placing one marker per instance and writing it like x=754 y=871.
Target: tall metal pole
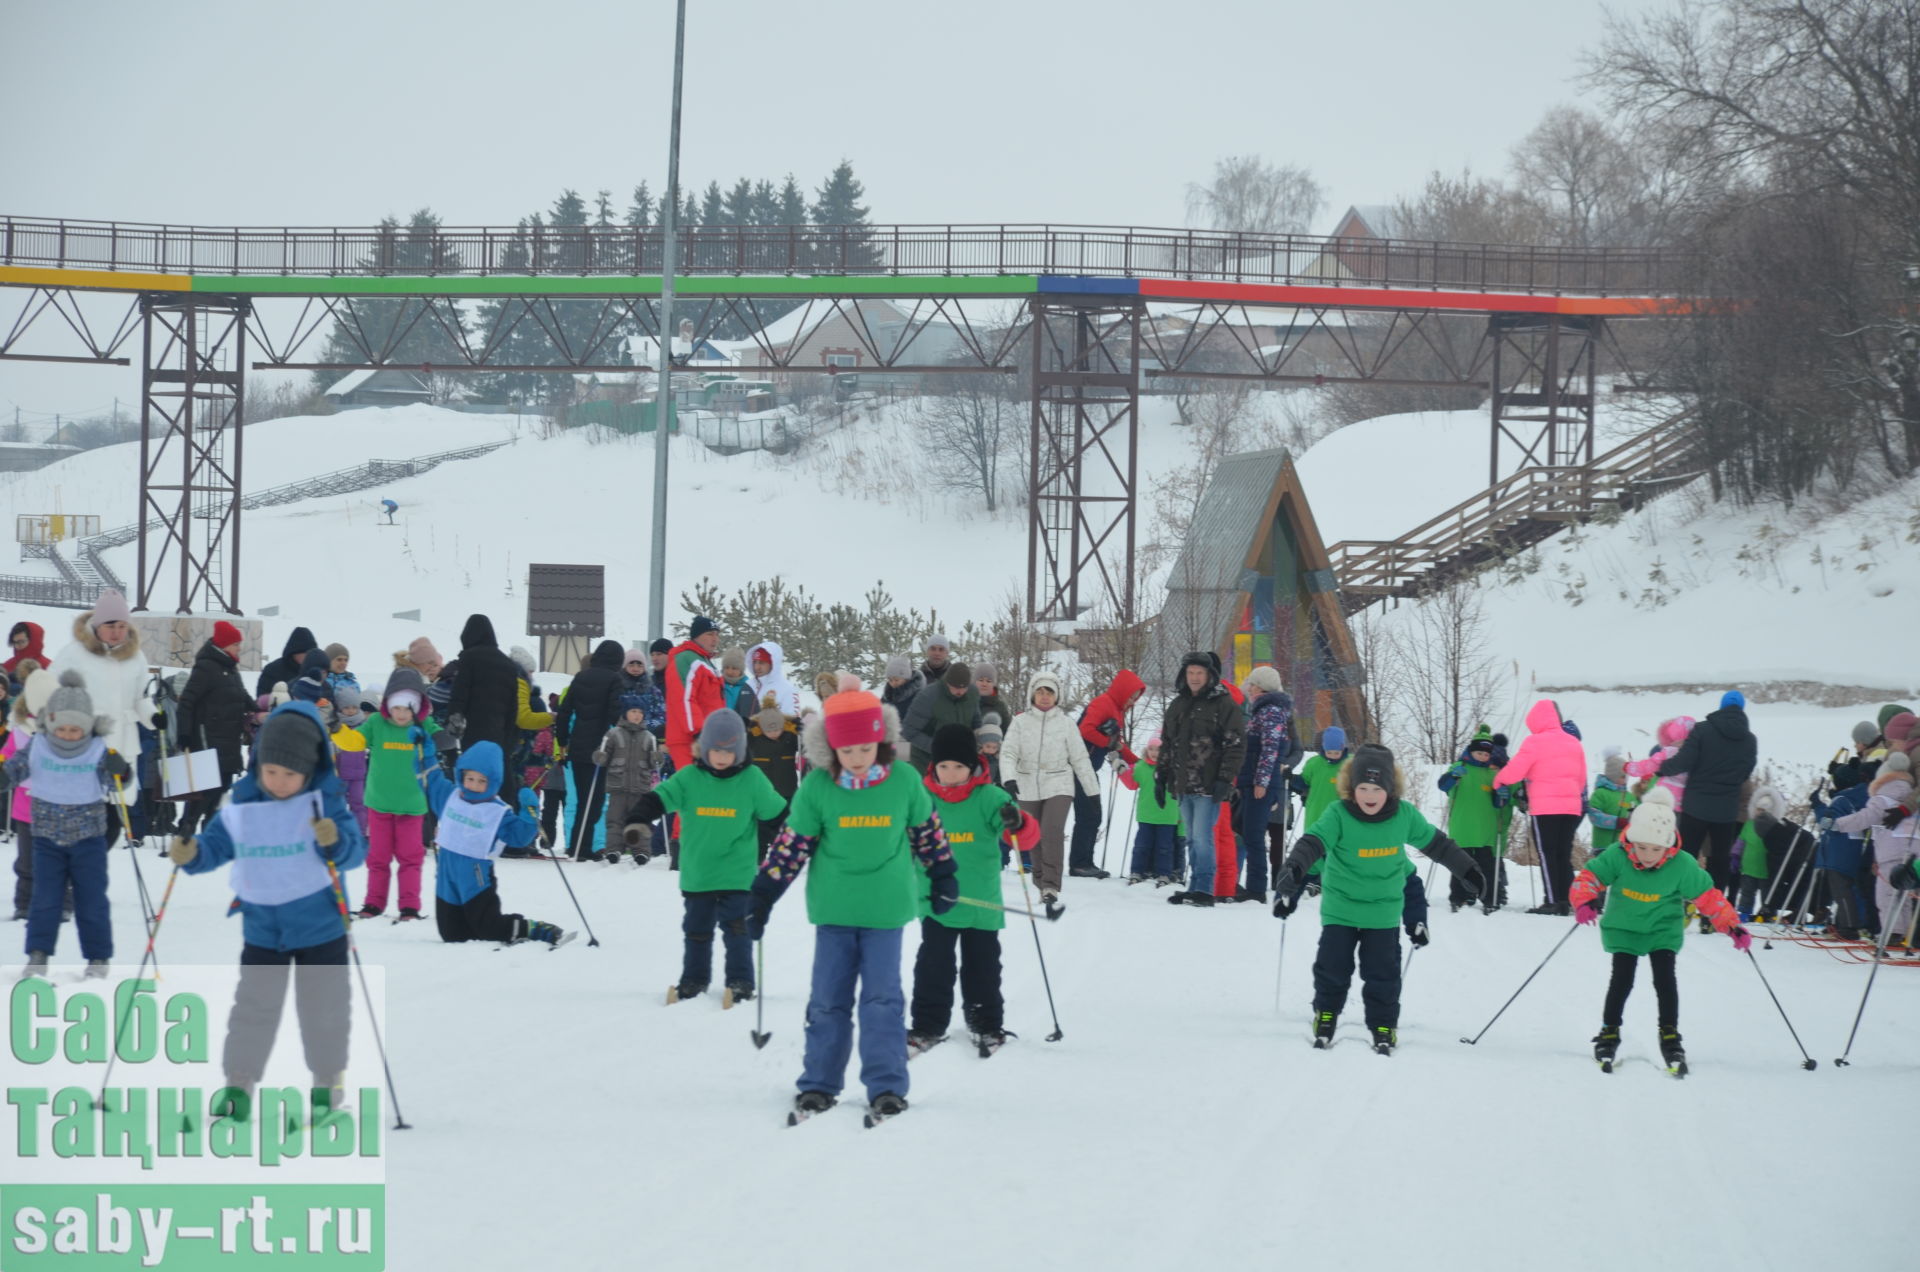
x=663 y=398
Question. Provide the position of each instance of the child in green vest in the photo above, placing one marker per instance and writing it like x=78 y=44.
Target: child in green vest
x=1473 y=817
x=720 y=802
x=1158 y=820
x=1361 y=842
x=1611 y=803
x=1649 y=882
x=861 y=818
x=976 y=816
x=399 y=749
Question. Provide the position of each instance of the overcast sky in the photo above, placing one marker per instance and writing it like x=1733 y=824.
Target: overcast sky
x=338 y=113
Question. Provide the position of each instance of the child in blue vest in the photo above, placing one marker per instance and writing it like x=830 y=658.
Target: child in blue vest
x=69 y=768
x=288 y=832
x=475 y=825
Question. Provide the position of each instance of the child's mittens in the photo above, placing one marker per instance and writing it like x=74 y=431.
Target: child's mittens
x=1286 y=892
x=1905 y=877
x=182 y=850
x=1417 y=933
x=325 y=833
x=1584 y=913
x=946 y=893
x=1742 y=939
x=529 y=800
x=117 y=766
x=1011 y=817
x=600 y=758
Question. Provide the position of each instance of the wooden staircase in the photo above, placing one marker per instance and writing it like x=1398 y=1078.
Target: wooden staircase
x=1519 y=511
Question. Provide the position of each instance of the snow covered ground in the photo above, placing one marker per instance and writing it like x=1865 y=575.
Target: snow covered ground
x=565 y=1118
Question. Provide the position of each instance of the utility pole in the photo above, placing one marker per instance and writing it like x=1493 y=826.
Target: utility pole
x=663 y=397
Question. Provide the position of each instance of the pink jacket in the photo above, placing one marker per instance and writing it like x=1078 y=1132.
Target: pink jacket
x=22 y=797
x=1672 y=733
x=1551 y=762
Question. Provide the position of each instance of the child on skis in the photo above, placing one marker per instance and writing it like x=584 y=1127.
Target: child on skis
x=773 y=744
x=71 y=772
x=976 y=816
x=475 y=825
x=1317 y=782
x=1610 y=803
x=1157 y=820
x=861 y=817
x=399 y=739
x=1648 y=881
x=1361 y=842
x=720 y=801
x=1473 y=817
x=292 y=903
x=37 y=686
x=350 y=752
x=630 y=759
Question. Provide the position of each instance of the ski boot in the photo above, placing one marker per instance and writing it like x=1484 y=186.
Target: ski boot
x=370 y=911
x=408 y=914
x=98 y=968
x=885 y=1105
x=918 y=1044
x=1673 y=1054
x=736 y=992
x=548 y=932
x=1453 y=907
x=1324 y=1023
x=328 y=1095
x=1136 y=877
x=988 y=1041
x=807 y=1103
x=610 y=857
x=1606 y=1045
x=234 y=1101
x=1384 y=1040
x=1161 y=881
x=36 y=965
x=685 y=990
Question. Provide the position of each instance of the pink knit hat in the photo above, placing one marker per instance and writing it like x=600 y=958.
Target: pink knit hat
x=422 y=654
x=110 y=608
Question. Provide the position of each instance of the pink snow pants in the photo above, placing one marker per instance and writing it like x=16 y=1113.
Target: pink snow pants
x=394 y=838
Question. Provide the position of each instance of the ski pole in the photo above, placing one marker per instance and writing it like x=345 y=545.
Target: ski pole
x=1809 y=1063
x=138 y=976
x=1879 y=952
x=126 y=825
x=1474 y=1041
x=1280 y=966
x=346 y=922
x=582 y=819
x=1056 y=1035
x=591 y=938
x=1773 y=890
x=1007 y=909
x=1106 y=824
x=1800 y=903
x=760 y=1036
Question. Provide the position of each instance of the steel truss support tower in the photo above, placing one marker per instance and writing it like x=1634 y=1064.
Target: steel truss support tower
x=192 y=402
x=1084 y=458
x=1543 y=390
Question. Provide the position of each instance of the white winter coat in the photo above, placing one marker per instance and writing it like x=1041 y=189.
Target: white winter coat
x=775 y=682
x=1043 y=752
x=117 y=682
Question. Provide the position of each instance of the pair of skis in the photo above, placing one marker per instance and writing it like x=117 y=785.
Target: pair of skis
x=726 y=997
x=873 y=1117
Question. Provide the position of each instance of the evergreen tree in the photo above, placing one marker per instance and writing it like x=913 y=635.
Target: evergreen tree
x=640 y=210
x=405 y=331
x=739 y=203
x=766 y=204
x=836 y=206
x=603 y=208
x=793 y=204
x=519 y=343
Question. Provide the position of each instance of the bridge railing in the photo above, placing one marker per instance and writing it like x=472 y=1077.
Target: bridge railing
x=901 y=250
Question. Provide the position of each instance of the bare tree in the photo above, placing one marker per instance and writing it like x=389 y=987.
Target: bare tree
x=1573 y=161
x=1447 y=681
x=976 y=429
x=1248 y=193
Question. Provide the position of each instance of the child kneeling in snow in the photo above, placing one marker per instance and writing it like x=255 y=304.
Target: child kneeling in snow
x=288 y=831
x=861 y=817
x=475 y=825
x=1649 y=882
x=720 y=802
x=1361 y=845
x=976 y=816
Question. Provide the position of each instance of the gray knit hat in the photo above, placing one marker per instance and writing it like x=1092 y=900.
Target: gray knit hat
x=939 y=641
x=292 y=740
x=523 y=658
x=989 y=734
x=69 y=705
x=735 y=657
x=985 y=671
x=1897 y=763
x=899 y=665
x=337 y=650
x=723 y=731
x=1864 y=733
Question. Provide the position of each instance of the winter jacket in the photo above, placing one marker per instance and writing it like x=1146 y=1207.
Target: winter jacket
x=1718 y=757
x=693 y=692
x=1608 y=809
x=1647 y=905
x=992 y=704
x=36 y=647
x=970 y=816
x=1670 y=735
x=932 y=709
x=1043 y=754
x=1364 y=863
x=785 y=696
x=117 y=682
x=1884 y=793
x=1203 y=737
x=590 y=706
x=1106 y=716
x=777 y=755
x=1473 y=803
x=631 y=758
x=313 y=919
x=720 y=814
x=350 y=764
x=1317 y=783
x=1551 y=762
x=286 y=668
x=1839 y=849
x=1151 y=809
x=653 y=703
x=1857 y=769
x=901 y=698
x=1270 y=746
x=491 y=696
x=213 y=708
x=457 y=878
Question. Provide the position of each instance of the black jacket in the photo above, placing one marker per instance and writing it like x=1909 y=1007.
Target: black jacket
x=213 y=708
x=487 y=692
x=286 y=668
x=1717 y=757
x=588 y=708
x=1203 y=737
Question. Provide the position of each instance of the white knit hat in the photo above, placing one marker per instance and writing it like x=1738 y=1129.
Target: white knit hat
x=1653 y=824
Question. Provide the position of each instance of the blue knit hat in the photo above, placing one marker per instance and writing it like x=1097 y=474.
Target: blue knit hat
x=1334 y=739
x=1733 y=698
x=630 y=702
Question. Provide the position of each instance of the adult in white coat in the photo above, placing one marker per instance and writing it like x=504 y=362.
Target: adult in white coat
x=1041 y=761
x=106 y=652
x=773 y=680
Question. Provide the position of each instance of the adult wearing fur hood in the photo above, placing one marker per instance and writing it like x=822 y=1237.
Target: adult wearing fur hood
x=106 y=652
x=774 y=680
